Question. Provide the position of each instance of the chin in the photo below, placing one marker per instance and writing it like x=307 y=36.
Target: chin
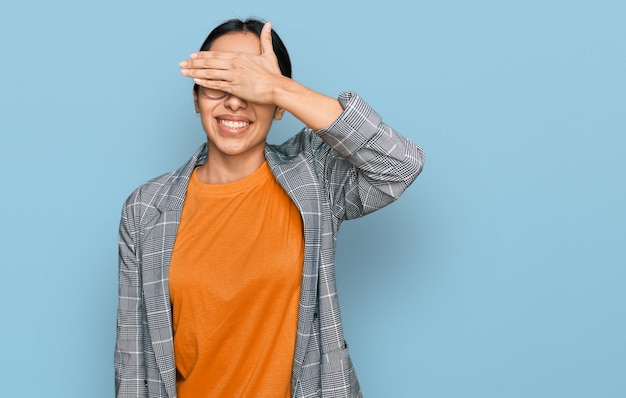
x=233 y=151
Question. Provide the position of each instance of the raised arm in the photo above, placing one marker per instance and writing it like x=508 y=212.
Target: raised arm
x=371 y=165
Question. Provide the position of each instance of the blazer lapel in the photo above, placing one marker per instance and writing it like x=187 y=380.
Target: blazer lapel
x=296 y=177
x=159 y=239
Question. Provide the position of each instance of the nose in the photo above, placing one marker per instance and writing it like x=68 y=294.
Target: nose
x=235 y=103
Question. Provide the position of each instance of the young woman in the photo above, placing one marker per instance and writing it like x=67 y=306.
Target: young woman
x=226 y=266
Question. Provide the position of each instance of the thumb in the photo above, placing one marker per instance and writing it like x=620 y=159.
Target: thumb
x=266 y=39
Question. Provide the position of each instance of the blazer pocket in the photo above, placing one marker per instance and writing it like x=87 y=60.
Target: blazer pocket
x=336 y=361
x=338 y=376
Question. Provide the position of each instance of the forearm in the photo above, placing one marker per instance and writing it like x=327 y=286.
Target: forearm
x=317 y=111
x=385 y=162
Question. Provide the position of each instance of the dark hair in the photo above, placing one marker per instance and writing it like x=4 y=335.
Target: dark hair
x=249 y=25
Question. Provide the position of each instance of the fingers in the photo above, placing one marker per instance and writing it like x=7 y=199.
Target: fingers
x=201 y=67
x=214 y=84
x=266 y=38
x=208 y=74
x=206 y=63
x=205 y=59
x=210 y=54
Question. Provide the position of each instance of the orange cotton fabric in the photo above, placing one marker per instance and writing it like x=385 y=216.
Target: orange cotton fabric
x=235 y=281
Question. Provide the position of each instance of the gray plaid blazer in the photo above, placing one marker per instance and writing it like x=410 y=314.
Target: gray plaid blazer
x=350 y=169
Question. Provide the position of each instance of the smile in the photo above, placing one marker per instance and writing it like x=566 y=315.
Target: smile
x=232 y=124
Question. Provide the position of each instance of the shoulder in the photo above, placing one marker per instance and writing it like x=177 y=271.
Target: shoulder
x=166 y=191
x=154 y=188
x=304 y=141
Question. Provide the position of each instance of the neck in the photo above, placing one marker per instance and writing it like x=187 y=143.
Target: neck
x=223 y=169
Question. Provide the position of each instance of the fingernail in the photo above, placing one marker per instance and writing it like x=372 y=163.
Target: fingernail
x=184 y=71
x=183 y=64
x=196 y=80
x=194 y=55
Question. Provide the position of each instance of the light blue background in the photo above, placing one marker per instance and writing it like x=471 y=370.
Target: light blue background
x=500 y=273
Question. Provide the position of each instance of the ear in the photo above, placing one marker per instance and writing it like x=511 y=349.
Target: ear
x=195 y=101
x=278 y=113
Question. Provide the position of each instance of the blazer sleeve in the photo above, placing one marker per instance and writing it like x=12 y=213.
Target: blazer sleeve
x=130 y=373
x=370 y=164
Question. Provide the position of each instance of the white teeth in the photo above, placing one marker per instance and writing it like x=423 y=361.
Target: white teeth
x=234 y=124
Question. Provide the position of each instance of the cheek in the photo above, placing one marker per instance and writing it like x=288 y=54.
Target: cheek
x=267 y=114
x=206 y=120
x=205 y=112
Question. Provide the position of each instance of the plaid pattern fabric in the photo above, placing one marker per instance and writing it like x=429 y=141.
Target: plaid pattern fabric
x=350 y=169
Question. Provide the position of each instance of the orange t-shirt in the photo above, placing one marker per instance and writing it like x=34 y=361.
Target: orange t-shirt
x=234 y=283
